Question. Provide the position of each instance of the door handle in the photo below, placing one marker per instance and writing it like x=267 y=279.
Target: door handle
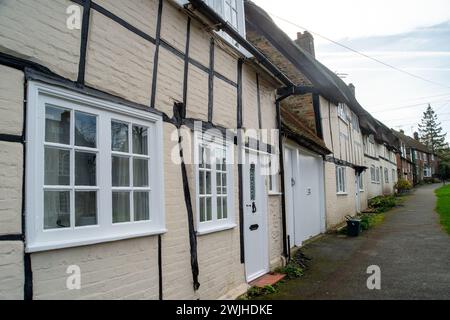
x=254 y=227
x=253 y=207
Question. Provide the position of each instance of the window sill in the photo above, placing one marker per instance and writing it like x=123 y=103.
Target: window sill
x=273 y=193
x=342 y=193
x=53 y=245
x=209 y=230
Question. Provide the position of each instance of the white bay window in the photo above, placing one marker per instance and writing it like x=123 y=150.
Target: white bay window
x=94 y=170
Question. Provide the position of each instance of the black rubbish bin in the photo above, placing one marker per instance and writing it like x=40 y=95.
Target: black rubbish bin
x=353 y=226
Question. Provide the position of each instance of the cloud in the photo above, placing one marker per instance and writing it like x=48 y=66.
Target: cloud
x=355 y=18
x=387 y=54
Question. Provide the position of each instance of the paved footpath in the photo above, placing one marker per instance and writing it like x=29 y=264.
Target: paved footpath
x=410 y=247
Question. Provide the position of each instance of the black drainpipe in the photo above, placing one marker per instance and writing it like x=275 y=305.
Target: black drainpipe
x=286 y=247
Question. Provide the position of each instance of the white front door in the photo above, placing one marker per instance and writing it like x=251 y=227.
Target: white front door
x=357 y=188
x=255 y=218
x=304 y=195
x=310 y=194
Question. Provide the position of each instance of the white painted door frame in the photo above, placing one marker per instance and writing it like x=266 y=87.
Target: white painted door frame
x=290 y=172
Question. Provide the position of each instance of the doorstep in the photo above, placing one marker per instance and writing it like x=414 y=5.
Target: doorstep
x=269 y=279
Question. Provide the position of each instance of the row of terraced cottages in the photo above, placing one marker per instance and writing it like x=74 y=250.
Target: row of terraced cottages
x=156 y=149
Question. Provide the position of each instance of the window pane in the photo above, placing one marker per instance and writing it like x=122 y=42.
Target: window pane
x=85 y=208
x=227 y=12
x=224 y=208
x=121 y=206
x=140 y=140
x=120 y=171
x=204 y=155
x=201 y=180
x=220 y=159
x=219 y=183
x=208 y=182
x=141 y=206
x=57 y=167
x=119 y=136
x=57 y=125
x=207 y=158
x=140 y=172
x=85 y=169
x=340 y=179
x=252 y=182
x=224 y=163
x=219 y=208
x=56 y=209
x=201 y=152
x=202 y=209
x=224 y=183
x=208 y=209
x=234 y=18
x=85 y=130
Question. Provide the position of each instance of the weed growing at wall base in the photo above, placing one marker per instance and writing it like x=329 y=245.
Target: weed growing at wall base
x=382 y=203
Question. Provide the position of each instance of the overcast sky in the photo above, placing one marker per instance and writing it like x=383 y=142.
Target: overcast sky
x=413 y=35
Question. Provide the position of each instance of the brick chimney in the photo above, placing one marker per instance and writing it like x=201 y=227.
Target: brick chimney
x=402 y=131
x=306 y=41
x=416 y=136
x=351 y=86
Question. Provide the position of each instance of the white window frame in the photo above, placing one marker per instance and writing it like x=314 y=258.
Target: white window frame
x=218 y=6
x=341 y=112
x=214 y=225
x=373 y=176
x=355 y=122
x=344 y=145
x=386 y=175
x=427 y=172
x=341 y=180
x=377 y=174
x=39 y=239
x=394 y=175
x=272 y=179
x=403 y=149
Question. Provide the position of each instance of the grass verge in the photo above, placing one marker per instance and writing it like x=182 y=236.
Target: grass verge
x=443 y=206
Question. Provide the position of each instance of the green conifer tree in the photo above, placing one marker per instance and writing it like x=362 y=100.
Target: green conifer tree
x=430 y=131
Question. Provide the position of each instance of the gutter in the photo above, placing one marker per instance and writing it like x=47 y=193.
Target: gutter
x=209 y=13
